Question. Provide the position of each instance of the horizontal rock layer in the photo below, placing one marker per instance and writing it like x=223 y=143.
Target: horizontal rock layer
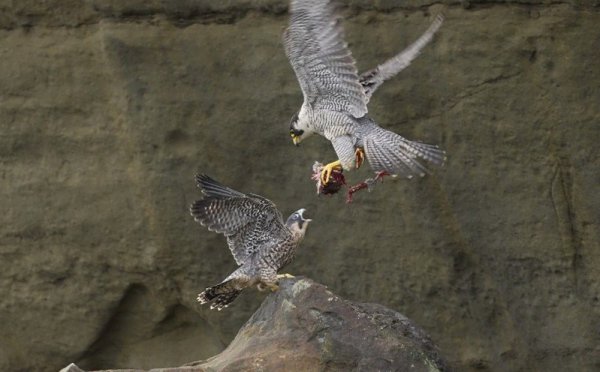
x=107 y=110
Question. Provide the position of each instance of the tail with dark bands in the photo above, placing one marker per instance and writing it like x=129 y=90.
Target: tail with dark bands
x=389 y=152
x=221 y=295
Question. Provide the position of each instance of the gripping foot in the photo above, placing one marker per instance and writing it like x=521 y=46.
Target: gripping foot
x=366 y=184
x=327 y=169
x=359 y=154
x=285 y=276
x=264 y=286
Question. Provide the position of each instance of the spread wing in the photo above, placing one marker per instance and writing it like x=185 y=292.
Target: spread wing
x=248 y=221
x=325 y=69
x=372 y=79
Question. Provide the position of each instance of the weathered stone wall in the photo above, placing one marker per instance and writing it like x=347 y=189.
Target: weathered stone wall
x=108 y=108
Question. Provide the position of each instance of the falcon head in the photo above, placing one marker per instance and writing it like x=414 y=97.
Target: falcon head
x=297 y=223
x=299 y=129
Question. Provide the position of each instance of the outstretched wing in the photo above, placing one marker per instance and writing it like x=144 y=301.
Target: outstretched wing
x=248 y=221
x=325 y=69
x=372 y=79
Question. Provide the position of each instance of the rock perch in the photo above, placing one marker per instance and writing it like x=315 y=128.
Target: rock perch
x=305 y=327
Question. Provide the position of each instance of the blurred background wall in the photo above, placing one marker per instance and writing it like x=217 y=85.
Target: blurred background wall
x=108 y=109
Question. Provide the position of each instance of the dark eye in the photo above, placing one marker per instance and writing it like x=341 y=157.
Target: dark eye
x=296 y=132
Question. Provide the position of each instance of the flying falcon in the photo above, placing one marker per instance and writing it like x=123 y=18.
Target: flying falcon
x=335 y=97
x=260 y=241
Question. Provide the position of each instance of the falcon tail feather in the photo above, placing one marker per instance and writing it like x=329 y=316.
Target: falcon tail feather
x=221 y=295
x=389 y=152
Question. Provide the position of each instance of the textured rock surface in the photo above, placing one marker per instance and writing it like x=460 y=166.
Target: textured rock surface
x=107 y=109
x=305 y=327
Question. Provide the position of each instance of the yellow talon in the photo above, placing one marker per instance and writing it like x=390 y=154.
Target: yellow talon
x=285 y=276
x=360 y=156
x=326 y=172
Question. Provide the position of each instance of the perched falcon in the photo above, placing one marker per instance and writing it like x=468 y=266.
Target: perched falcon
x=335 y=97
x=260 y=241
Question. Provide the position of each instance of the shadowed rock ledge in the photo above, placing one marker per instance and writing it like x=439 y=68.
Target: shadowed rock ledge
x=305 y=327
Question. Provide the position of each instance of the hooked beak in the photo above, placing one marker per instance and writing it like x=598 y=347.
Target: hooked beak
x=296 y=140
x=301 y=212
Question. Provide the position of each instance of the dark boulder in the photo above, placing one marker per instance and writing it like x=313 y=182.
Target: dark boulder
x=305 y=327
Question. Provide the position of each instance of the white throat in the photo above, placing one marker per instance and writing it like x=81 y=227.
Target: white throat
x=305 y=121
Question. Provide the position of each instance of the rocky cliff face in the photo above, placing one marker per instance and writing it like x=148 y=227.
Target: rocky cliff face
x=305 y=327
x=108 y=108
